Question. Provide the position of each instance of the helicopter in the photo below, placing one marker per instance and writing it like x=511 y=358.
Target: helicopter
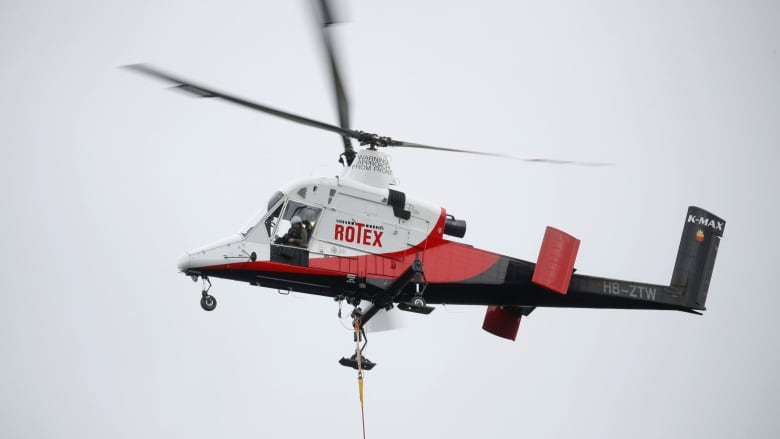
x=355 y=237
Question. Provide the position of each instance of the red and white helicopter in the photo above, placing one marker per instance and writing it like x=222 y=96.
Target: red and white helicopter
x=377 y=247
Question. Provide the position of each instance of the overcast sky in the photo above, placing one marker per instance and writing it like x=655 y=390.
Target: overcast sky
x=108 y=178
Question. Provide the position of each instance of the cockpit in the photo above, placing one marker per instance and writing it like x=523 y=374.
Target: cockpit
x=275 y=222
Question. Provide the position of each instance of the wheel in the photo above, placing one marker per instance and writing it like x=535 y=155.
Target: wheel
x=208 y=302
x=418 y=301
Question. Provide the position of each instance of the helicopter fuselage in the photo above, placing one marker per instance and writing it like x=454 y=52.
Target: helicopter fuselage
x=363 y=242
x=361 y=238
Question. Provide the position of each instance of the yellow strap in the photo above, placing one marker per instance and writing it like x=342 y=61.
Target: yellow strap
x=362 y=410
x=360 y=385
x=358 y=357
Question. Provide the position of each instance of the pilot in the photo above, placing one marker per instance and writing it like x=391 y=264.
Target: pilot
x=297 y=235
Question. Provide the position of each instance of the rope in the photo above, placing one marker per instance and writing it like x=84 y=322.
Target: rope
x=359 y=358
x=362 y=410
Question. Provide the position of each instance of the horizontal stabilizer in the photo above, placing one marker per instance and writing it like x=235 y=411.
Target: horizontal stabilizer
x=504 y=321
x=556 y=260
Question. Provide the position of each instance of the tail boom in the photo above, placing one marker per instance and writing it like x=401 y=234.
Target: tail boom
x=690 y=278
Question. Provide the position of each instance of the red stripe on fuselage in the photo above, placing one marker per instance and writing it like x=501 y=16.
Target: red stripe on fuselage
x=443 y=261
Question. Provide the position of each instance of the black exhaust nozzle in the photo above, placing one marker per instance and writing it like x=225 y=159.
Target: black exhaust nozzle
x=455 y=227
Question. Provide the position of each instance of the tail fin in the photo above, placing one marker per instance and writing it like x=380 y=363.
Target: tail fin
x=696 y=256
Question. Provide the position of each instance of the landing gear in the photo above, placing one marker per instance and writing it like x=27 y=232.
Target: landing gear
x=207 y=302
x=417 y=304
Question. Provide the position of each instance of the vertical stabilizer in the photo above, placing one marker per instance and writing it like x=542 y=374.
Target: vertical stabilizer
x=696 y=255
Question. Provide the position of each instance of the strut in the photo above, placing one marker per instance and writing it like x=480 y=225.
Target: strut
x=207 y=301
x=417 y=273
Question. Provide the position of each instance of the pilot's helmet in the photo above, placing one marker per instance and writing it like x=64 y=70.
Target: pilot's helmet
x=296 y=220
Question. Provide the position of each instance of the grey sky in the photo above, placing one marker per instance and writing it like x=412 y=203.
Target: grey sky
x=108 y=178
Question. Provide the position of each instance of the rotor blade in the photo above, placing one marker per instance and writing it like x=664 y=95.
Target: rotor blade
x=342 y=103
x=402 y=144
x=203 y=91
x=362 y=137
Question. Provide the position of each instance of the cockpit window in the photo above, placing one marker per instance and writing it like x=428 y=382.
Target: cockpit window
x=274 y=199
x=307 y=213
x=270 y=215
x=308 y=216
